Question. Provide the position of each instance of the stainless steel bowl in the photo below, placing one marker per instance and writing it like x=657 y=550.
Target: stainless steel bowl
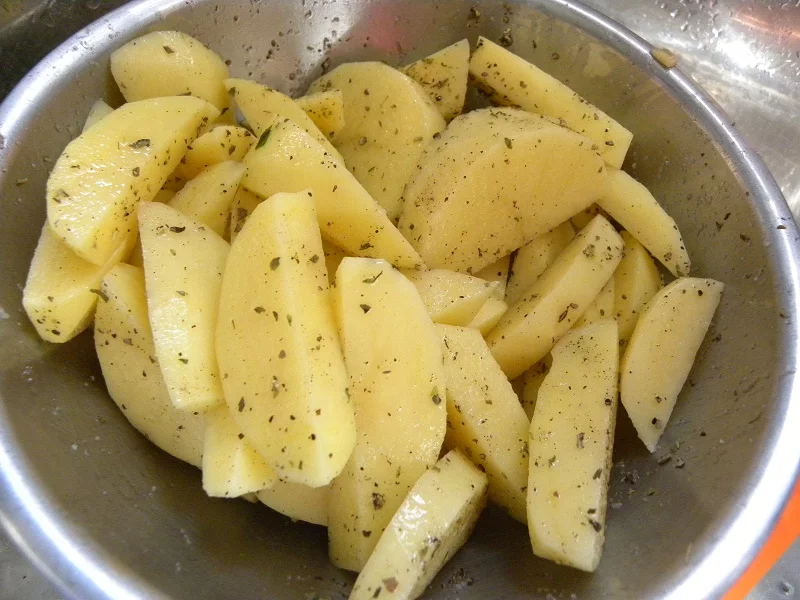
x=105 y=515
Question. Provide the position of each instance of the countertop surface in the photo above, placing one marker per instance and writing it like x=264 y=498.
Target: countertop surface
x=746 y=53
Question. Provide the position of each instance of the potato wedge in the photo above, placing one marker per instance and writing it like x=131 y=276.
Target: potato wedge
x=244 y=203
x=208 y=197
x=263 y=107
x=277 y=346
x=433 y=522
x=127 y=357
x=633 y=206
x=512 y=80
x=298 y=502
x=290 y=160
x=231 y=466
x=98 y=111
x=534 y=257
x=571 y=439
x=61 y=290
x=326 y=110
x=547 y=310
x=531 y=382
x=662 y=350
x=451 y=298
x=221 y=143
x=388 y=120
x=333 y=258
x=602 y=307
x=169 y=63
x=498 y=198
x=583 y=218
x=485 y=420
x=636 y=281
x=396 y=380
x=183 y=265
x=128 y=155
x=497 y=271
x=443 y=76
x=489 y=315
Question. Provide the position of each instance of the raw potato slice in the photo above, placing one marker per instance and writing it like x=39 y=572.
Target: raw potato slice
x=298 y=502
x=277 y=346
x=571 y=439
x=124 y=345
x=326 y=109
x=434 y=521
x=263 y=107
x=208 y=197
x=244 y=203
x=231 y=466
x=223 y=142
x=661 y=352
x=61 y=290
x=531 y=382
x=489 y=315
x=534 y=257
x=290 y=160
x=602 y=307
x=636 y=281
x=396 y=380
x=485 y=420
x=135 y=258
x=531 y=327
x=333 y=258
x=443 y=76
x=388 y=120
x=128 y=155
x=518 y=176
x=633 y=207
x=98 y=111
x=183 y=265
x=498 y=272
x=583 y=218
x=451 y=298
x=514 y=81
x=169 y=63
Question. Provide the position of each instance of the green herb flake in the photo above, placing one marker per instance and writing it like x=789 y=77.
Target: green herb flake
x=264 y=136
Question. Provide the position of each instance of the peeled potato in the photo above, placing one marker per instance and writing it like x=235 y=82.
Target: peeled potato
x=98 y=111
x=326 y=109
x=298 y=502
x=488 y=316
x=636 y=281
x=497 y=271
x=443 y=76
x=221 y=143
x=451 y=298
x=602 y=307
x=534 y=257
x=243 y=205
x=208 y=197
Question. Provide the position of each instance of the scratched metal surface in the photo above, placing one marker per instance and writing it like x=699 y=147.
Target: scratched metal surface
x=745 y=53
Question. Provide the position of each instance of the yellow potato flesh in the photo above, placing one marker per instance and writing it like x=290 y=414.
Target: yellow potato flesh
x=534 y=257
x=451 y=298
x=636 y=281
x=443 y=75
x=326 y=110
x=298 y=502
x=488 y=316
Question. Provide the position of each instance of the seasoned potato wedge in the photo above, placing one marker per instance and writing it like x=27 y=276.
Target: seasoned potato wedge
x=169 y=63
x=534 y=257
x=602 y=307
x=558 y=298
x=636 y=281
x=231 y=466
x=451 y=298
x=498 y=198
x=326 y=109
x=290 y=160
x=433 y=522
x=277 y=346
x=489 y=315
x=127 y=357
x=485 y=420
x=531 y=382
x=128 y=155
x=633 y=206
x=514 y=81
x=661 y=352
x=571 y=439
x=443 y=75
x=396 y=380
x=208 y=197
x=497 y=271
x=583 y=218
x=388 y=120
x=183 y=265
x=244 y=203
x=98 y=111
x=298 y=502
x=333 y=258
x=61 y=289
x=221 y=143
x=262 y=107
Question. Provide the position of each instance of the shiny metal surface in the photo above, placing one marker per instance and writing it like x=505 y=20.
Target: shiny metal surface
x=105 y=515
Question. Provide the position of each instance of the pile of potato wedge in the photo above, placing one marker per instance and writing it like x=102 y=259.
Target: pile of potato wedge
x=323 y=302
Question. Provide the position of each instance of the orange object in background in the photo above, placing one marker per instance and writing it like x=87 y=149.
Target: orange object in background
x=786 y=532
